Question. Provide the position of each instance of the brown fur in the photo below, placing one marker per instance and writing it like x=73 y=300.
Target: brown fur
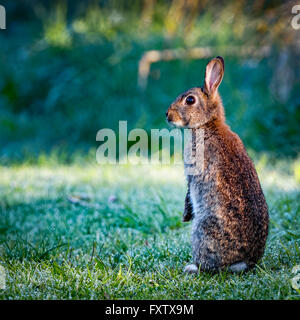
x=224 y=198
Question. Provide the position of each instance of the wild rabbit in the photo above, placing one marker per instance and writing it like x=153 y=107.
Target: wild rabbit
x=224 y=197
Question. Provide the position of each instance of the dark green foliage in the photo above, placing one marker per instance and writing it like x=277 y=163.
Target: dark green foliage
x=68 y=70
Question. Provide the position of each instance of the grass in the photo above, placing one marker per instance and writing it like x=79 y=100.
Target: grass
x=82 y=231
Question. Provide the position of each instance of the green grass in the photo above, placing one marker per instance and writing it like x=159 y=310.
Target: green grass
x=93 y=232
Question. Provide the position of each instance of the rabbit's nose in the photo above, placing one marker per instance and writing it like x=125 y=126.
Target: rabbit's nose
x=167 y=113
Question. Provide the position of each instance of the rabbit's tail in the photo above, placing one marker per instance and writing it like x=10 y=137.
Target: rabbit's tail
x=238 y=267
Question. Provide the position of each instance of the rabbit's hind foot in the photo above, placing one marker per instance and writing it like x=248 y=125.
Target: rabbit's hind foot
x=191 y=268
x=238 y=267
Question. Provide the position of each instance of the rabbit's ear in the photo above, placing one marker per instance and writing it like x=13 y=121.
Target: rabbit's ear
x=213 y=75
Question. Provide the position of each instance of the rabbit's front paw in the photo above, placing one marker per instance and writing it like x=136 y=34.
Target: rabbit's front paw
x=188 y=209
x=187 y=216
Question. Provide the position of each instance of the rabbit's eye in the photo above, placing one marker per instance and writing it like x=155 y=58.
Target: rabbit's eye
x=190 y=100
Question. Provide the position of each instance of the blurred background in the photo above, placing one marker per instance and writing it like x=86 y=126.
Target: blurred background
x=70 y=68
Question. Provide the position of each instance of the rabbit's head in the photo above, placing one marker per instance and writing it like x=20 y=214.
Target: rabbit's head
x=200 y=105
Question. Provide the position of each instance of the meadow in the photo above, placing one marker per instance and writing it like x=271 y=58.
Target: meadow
x=73 y=229
x=115 y=232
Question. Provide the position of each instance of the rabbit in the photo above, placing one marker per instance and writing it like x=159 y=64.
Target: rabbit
x=224 y=197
